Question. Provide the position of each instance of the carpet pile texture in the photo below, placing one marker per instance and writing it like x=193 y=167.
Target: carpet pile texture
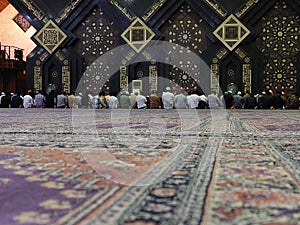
x=149 y=167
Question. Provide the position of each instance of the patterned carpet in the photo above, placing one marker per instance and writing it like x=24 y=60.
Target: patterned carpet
x=149 y=167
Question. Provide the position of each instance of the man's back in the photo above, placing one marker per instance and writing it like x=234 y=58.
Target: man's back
x=73 y=103
x=112 y=102
x=16 y=101
x=168 y=100
x=154 y=101
x=141 y=101
x=61 y=101
x=27 y=101
x=39 y=101
x=193 y=101
x=181 y=101
x=213 y=101
x=124 y=101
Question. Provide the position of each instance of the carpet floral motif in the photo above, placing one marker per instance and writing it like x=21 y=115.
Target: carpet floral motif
x=227 y=167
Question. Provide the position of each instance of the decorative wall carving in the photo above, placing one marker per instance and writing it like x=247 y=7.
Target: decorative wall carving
x=245 y=8
x=153 y=75
x=231 y=73
x=66 y=76
x=122 y=9
x=186 y=29
x=96 y=34
x=96 y=77
x=123 y=78
x=138 y=35
x=37 y=72
x=247 y=76
x=240 y=53
x=214 y=79
x=67 y=10
x=278 y=40
x=38 y=79
x=50 y=36
x=276 y=36
x=217 y=7
x=65 y=71
x=35 y=10
x=222 y=53
x=157 y=5
x=231 y=32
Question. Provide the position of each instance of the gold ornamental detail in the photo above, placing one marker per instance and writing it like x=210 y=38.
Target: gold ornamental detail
x=67 y=10
x=241 y=53
x=222 y=53
x=66 y=78
x=37 y=78
x=44 y=56
x=153 y=74
x=122 y=9
x=138 y=35
x=156 y=6
x=231 y=32
x=50 y=36
x=214 y=79
x=246 y=7
x=123 y=78
x=60 y=55
x=35 y=10
x=217 y=7
x=247 y=74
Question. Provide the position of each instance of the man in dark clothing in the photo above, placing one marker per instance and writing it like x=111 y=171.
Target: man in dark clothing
x=268 y=101
x=260 y=100
x=293 y=101
x=278 y=101
x=50 y=99
x=250 y=102
x=6 y=100
x=238 y=101
x=229 y=100
x=16 y=100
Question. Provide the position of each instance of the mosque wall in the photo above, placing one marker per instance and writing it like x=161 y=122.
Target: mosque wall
x=249 y=44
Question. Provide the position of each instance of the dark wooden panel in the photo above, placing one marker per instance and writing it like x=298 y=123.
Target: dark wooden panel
x=138 y=7
x=232 y=5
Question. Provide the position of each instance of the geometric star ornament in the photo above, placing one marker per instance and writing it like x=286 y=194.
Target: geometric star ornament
x=50 y=36
x=231 y=32
x=138 y=35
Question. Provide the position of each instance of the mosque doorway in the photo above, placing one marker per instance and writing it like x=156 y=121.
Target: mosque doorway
x=231 y=72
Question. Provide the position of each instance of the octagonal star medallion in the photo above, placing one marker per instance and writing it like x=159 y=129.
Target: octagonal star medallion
x=231 y=32
x=138 y=35
x=50 y=36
